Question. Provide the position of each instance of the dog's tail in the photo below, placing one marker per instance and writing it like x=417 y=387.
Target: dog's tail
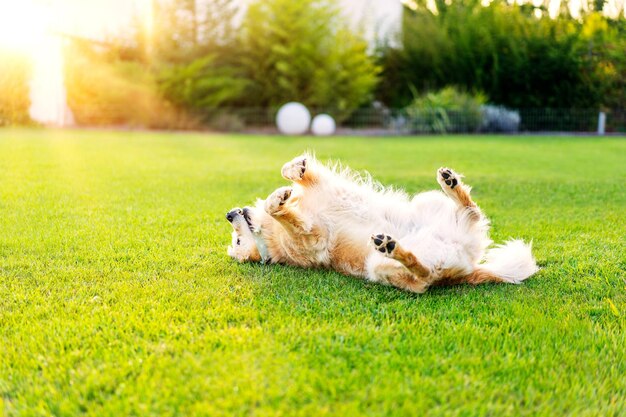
x=513 y=262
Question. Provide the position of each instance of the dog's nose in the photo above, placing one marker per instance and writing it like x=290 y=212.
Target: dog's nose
x=230 y=216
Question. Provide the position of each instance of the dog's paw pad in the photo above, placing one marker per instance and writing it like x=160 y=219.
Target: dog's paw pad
x=277 y=199
x=294 y=170
x=284 y=195
x=448 y=177
x=384 y=243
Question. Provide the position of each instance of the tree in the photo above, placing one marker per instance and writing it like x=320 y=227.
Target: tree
x=603 y=44
x=302 y=51
x=202 y=85
x=188 y=46
x=179 y=31
x=14 y=97
x=506 y=51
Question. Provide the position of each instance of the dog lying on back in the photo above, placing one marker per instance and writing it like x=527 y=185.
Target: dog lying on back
x=334 y=218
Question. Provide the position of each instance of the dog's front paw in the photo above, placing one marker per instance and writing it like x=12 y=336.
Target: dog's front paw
x=277 y=199
x=447 y=178
x=384 y=244
x=294 y=170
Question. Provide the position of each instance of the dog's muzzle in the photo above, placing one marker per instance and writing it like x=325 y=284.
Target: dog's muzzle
x=231 y=215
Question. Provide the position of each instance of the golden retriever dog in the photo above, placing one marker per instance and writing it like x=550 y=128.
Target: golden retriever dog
x=334 y=218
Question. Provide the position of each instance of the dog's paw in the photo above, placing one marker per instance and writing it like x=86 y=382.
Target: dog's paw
x=277 y=199
x=384 y=244
x=447 y=178
x=294 y=170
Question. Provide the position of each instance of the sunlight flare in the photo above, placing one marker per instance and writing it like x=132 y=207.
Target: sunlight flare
x=23 y=25
x=28 y=27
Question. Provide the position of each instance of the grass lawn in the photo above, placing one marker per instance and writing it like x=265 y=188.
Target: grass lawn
x=117 y=296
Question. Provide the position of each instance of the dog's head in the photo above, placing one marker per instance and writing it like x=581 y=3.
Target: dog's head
x=243 y=247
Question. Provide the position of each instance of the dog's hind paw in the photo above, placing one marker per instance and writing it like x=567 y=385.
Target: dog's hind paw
x=294 y=170
x=277 y=199
x=447 y=178
x=384 y=244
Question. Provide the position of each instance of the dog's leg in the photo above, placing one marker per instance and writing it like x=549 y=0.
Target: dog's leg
x=390 y=272
x=478 y=276
x=389 y=247
x=454 y=188
x=481 y=276
x=302 y=170
x=286 y=215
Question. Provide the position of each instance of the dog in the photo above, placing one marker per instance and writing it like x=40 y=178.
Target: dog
x=331 y=217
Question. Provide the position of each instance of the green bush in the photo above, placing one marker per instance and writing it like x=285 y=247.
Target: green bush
x=517 y=59
x=302 y=51
x=447 y=110
x=282 y=51
x=602 y=45
x=103 y=92
x=15 y=72
x=201 y=84
x=181 y=31
x=499 y=119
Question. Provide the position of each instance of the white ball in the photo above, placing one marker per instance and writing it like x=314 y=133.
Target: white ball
x=323 y=125
x=293 y=119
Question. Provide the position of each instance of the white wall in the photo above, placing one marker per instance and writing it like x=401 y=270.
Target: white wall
x=379 y=19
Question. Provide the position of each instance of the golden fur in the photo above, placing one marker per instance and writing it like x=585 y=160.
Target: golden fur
x=332 y=218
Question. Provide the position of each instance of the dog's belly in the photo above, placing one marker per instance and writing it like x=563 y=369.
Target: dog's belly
x=428 y=226
x=441 y=247
x=350 y=241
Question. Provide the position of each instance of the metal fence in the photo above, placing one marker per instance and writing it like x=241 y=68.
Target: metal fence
x=385 y=121
x=376 y=120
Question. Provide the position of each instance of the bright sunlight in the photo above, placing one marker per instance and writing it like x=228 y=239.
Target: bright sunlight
x=37 y=29
x=23 y=25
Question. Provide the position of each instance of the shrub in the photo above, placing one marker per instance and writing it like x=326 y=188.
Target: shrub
x=444 y=111
x=517 y=59
x=201 y=84
x=302 y=51
x=14 y=89
x=499 y=119
x=117 y=93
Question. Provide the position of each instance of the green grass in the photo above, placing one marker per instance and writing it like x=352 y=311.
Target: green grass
x=117 y=296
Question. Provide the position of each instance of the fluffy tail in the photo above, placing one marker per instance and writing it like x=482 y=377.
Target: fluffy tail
x=513 y=262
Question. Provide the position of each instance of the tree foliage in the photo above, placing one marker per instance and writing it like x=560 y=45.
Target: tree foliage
x=14 y=90
x=517 y=59
x=102 y=91
x=302 y=51
x=446 y=110
x=180 y=31
x=198 y=56
x=202 y=84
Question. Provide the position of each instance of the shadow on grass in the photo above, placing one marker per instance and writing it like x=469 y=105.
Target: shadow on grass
x=326 y=295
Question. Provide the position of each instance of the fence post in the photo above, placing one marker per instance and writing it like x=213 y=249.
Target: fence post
x=601 y=122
